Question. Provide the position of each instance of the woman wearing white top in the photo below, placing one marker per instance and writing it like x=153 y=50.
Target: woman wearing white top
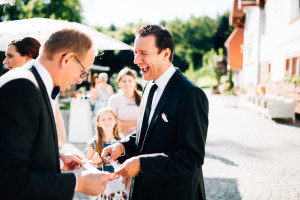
x=126 y=103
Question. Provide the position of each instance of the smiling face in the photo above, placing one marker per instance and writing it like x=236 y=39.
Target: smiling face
x=13 y=58
x=146 y=55
x=127 y=83
x=107 y=121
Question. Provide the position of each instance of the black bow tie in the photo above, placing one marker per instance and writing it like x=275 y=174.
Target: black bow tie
x=55 y=92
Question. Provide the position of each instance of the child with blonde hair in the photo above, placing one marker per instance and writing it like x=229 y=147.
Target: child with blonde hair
x=107 y=132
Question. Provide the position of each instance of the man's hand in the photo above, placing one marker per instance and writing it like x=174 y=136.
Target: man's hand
x=96 y=158
x=114 y=151
x=71 y=162
x=129 y=168
x=93 y=183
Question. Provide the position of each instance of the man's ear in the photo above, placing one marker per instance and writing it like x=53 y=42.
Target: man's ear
x=167 y=53
x=66 y=58
x=28 y=58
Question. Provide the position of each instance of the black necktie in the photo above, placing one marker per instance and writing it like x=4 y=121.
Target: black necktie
x=147 y=112
x=55 y=92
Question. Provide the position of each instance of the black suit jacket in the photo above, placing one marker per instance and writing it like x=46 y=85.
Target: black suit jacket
x=172 y=153
x=29 y=154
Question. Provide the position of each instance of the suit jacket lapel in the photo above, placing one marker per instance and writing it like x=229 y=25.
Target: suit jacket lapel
x=50 y=111
x=167 y=93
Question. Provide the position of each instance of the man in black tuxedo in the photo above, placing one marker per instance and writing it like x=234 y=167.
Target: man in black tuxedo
x=30 y=162
x=166 y=152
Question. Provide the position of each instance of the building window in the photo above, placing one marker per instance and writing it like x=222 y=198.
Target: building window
x=292 y=68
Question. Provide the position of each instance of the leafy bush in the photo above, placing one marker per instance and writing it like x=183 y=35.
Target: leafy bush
x=230 y=85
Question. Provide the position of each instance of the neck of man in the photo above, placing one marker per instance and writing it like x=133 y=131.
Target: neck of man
x=49 y=66
x=164 y=67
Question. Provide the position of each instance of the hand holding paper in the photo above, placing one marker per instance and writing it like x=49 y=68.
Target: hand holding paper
x=113 y=151
x=129 y=168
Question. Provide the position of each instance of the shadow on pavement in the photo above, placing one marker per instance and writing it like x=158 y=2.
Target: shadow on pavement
x=221 y=188
x=287 y=122
x=223 y=160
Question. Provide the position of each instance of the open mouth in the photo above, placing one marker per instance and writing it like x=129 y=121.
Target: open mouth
x=144 y=69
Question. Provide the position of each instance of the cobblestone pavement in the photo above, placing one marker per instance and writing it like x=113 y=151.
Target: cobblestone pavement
x=248 y=157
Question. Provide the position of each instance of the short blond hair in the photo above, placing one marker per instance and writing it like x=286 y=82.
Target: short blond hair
x=69 y=40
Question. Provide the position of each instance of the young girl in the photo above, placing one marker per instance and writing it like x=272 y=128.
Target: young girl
x=107 y=133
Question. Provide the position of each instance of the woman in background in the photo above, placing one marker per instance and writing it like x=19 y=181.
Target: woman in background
x=20 y=52
x=126 y=103
x=95 y=81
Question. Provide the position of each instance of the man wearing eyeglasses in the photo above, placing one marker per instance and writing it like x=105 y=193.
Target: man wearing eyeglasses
x=30 y=161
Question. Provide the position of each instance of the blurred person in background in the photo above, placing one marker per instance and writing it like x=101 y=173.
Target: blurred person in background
x=18 y=53
x=95 y=81
x=126 y=102
x=101 y=93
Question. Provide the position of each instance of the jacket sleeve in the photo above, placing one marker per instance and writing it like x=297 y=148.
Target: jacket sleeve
x=129 y=146
x=19 y=117
x=191 y=132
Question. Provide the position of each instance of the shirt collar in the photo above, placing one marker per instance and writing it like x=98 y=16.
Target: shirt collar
x=162 y=81
x=45 y=75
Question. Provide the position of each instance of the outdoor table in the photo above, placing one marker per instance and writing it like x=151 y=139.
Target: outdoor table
x=80 y=121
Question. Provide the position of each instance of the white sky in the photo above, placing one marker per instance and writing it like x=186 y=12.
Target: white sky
x=122 y=12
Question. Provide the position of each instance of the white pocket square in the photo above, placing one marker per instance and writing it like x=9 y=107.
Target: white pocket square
x=164 y=117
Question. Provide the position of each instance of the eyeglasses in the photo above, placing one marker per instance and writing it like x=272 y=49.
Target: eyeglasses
x=84 y=74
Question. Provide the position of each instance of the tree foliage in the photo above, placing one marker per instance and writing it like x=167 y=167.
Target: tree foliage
x=193 y=39
x=196 y=39
x=69 y=10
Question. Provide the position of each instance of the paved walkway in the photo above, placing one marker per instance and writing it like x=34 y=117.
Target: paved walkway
x=247 y=156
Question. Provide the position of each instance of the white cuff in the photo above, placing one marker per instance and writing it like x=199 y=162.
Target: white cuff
x=61 y=163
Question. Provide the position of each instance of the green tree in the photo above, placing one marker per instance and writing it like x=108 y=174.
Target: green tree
x=192 y=38
x=69 y=10
x=223 y=32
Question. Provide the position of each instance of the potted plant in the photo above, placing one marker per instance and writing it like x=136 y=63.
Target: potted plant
x=230 y=97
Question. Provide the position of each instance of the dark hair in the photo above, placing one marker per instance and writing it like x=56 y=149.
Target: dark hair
x=27 y=46
x=164 y=38
x=93 y=83
x=68 y=40
x=130 y=72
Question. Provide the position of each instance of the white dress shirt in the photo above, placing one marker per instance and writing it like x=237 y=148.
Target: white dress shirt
x=161 y=82
x=47 y=80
